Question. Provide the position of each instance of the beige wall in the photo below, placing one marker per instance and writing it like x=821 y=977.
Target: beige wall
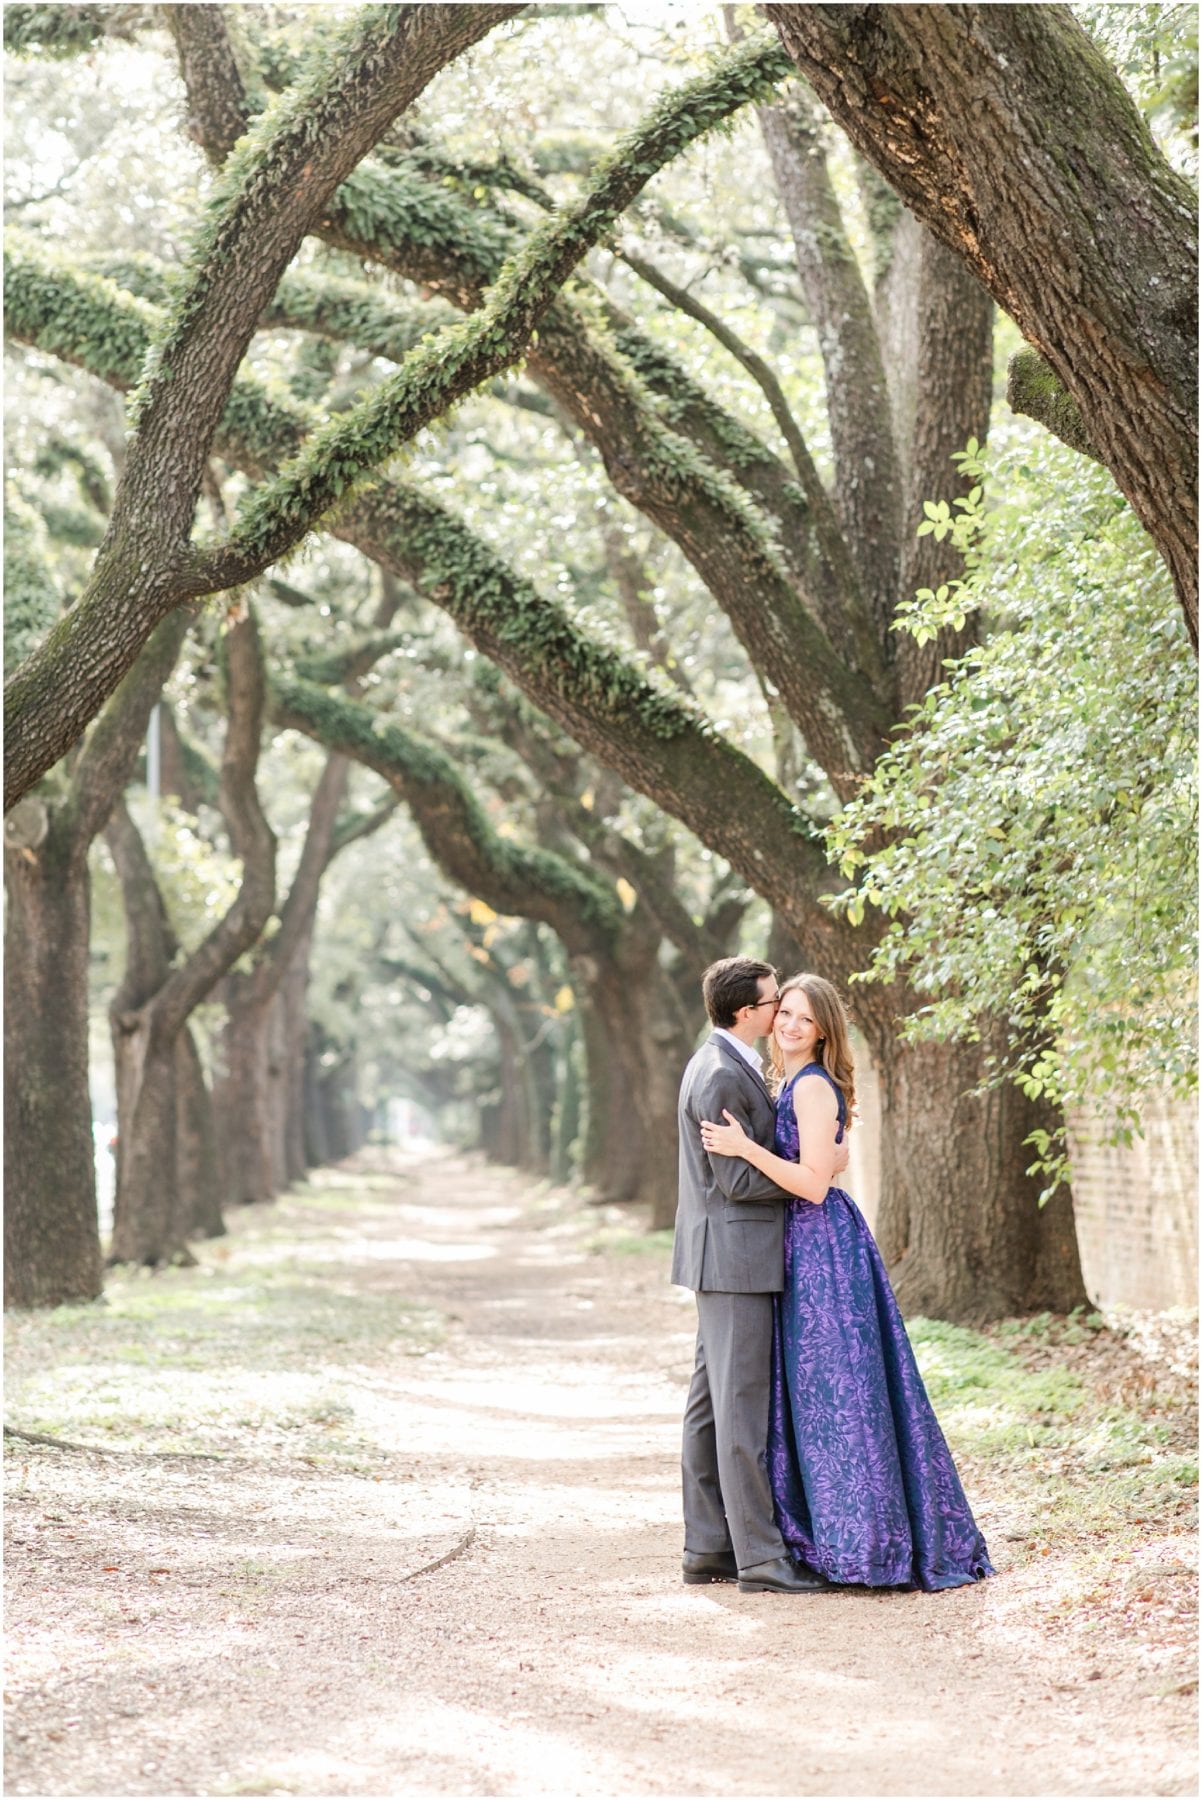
x=1137 y=1216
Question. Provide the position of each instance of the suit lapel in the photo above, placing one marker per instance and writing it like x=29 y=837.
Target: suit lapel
x=728 y=1050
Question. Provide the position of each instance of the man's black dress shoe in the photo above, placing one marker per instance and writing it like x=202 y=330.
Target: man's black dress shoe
x=709 y=1565
x=781 y=1577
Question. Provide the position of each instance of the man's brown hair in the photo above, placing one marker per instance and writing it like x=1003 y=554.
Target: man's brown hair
x=730 y=984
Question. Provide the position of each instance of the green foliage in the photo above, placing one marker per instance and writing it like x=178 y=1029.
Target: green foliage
x=31 y=595
x=57 y=31
x=1030 y=833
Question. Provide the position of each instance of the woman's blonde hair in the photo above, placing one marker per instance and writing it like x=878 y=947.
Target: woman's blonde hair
x=833 y=1049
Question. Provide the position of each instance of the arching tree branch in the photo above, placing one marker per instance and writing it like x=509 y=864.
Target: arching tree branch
x=1008 y=134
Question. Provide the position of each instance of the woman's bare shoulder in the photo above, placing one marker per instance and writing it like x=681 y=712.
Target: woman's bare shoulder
x=816 y=1097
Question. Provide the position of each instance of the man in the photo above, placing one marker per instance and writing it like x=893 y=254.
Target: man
x=730 y=1250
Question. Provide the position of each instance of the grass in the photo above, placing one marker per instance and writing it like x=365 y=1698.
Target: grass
x=254 y=1350
x=1072 y=1468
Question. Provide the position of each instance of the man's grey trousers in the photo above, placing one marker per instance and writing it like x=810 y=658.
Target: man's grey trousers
x=724 y=1465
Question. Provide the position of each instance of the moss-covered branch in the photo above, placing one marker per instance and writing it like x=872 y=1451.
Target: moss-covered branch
x=527 y=883
x=32 y=599
x=732 y=507
x=822 y=512
x=1040 y=208
x=346 y=451
x=1035 y=390
x=270 y=192
x=352 y=662
x=353 y=312
x=661 y=745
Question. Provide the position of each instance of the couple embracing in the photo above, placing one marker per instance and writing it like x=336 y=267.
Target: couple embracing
x=812 y=1457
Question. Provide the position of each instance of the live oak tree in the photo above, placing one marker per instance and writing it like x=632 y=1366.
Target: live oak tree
x=660 y=744
x=1008 y=134
x=52 y=1244
x=151 y=1222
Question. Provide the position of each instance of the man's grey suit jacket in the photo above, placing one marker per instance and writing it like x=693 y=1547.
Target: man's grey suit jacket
x=730 y=1219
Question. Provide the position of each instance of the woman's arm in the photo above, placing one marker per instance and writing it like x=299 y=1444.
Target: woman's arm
x=821 y=1158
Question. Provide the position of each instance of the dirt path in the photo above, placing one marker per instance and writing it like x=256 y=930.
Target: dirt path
x=256 y=1625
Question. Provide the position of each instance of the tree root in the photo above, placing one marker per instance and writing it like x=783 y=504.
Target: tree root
x=55 y=1443
x=439 y=1562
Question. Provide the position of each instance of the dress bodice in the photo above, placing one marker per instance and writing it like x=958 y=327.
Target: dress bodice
x=787 y=1144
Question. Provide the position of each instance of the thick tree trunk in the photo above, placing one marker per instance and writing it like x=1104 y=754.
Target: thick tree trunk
x=241 y=1095
x=958 y=1222
x=569 y=1109
x=198 y=1169
x=635 y=1000
x=509 y=1128
x=609 y=1156
x=335 y=1125
x=149 y=1223
x=291 y=1001
x=276 y=1037
x=665 y=1060
x=539 y=1063
x=51 y=1237
x=317 y=1142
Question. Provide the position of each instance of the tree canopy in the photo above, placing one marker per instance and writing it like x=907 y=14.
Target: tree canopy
x=559 y=414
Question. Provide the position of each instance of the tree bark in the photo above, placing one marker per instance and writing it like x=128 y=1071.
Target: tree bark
x=317 y=1142
x=1008 y=134
x=609 y=1149
x=149 y=1225
x=569 y=1108
x=150 y=1220
x=198 y=1169
x=959 y=1222
x=290 y=1001
x=241 y=1096
x=51 y=1237
x=52 y=1246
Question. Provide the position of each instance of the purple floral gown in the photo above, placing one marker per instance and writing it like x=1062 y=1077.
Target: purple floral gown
x=863 y=1482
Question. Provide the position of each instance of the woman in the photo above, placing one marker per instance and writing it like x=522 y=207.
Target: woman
x=863 y=1482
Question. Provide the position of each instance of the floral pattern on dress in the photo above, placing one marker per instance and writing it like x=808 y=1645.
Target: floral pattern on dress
x=864 y=1485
